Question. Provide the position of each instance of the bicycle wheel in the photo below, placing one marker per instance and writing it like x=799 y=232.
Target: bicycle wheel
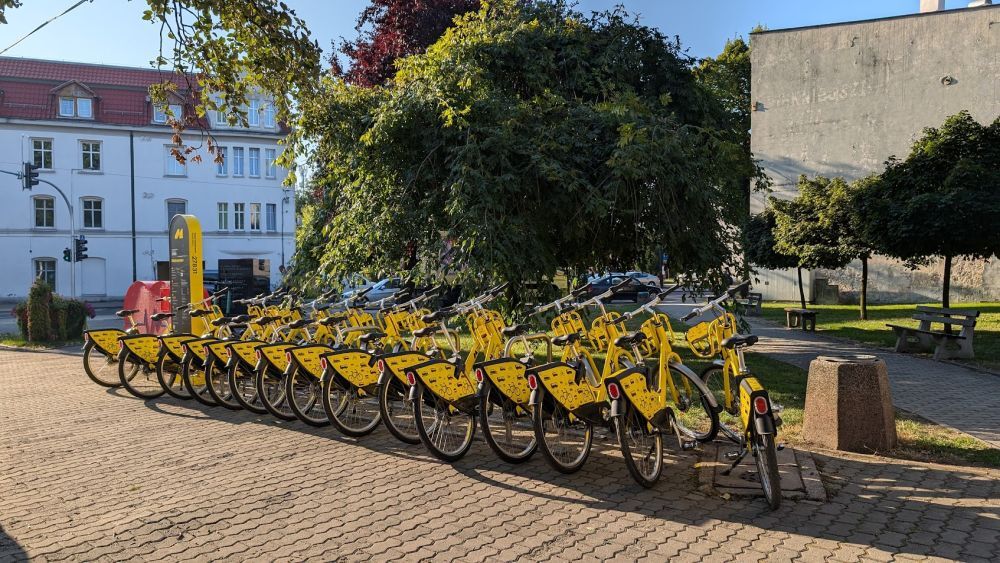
x=244 y=388
x=194 y=382
x=446 y=432
x=396 y=408
x=766 y=456
x=641 y=447
x=507 y=428
x=695 y=415
x=101 y=368
x=271 y=392
x=563 y=439
x=303 y=392
x=350 y=410
x=713 y=377
x=171 y=378
x=138 y=378
x=217 y=385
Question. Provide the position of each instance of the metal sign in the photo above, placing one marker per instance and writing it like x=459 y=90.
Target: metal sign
x=186 y=273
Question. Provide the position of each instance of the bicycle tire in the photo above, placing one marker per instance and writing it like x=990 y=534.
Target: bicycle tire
x=394 y=402
x=198 y=392
x=435 y=427
x=100 y=367
x=342 y=409
x=551 y=453
x=171 y=378
x=138 y=379
x=271 y=392
x=631 y=429
x=502 y=447
x=245 y=389
x=712 y=376
x=695 y=417
x=217 y=384
x=311 y=411
x=766 y=457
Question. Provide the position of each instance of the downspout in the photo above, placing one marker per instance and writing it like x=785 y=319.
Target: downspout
x=131 y=156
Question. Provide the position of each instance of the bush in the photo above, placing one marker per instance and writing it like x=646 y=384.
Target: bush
x=39 y=316
x=20 y=312
x=67 y=318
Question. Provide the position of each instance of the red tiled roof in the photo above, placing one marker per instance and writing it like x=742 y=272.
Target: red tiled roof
x=26 y=89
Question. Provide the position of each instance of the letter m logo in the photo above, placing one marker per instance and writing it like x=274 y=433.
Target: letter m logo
x=179 y=234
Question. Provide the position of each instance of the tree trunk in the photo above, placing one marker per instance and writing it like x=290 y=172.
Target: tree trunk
x=864 y=288
x=802 y=290
x=946 y=287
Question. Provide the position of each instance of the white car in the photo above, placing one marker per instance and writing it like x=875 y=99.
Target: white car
x=641 y=277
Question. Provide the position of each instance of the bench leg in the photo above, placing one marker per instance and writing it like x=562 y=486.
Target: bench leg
x=946 y=349
x=809 y=323
x=792 y=320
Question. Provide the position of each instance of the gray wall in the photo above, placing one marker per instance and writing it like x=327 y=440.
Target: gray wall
x=838 y=100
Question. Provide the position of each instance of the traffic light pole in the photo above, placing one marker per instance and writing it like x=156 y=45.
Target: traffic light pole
x=72 y=238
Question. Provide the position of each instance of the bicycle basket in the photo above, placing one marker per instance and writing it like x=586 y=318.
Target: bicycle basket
x=700 y=339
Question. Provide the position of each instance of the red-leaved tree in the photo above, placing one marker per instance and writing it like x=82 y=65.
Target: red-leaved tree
x=391 y=29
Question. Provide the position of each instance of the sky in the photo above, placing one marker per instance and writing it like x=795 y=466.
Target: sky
x=112 y=31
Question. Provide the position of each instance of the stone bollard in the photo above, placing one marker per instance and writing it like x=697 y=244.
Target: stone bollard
x=849 y=405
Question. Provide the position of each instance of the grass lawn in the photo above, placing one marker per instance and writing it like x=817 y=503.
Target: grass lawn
x=15 y=341
x=842 y=321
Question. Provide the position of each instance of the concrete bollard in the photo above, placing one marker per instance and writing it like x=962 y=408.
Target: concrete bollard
x=849 y=404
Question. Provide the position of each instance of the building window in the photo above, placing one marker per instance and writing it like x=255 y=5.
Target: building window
x=270 y=170
x=160 y=112
x=271 y=216
x=237 y=161
x=238 y=216
x=175 y=207
x=269 y=115
x=91 y=151
x=41 y=153
x=173 y=166
x=223 y=216
x=45 y=212
x=254 y=163
x=220 y=118
x=254 y=216
x=222 y=165
x=76 y=107
x=93 y=213
x=45 y=268
x=253 y=115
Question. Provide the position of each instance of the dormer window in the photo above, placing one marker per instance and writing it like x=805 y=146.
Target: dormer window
x=160 y=113
x=76 y=107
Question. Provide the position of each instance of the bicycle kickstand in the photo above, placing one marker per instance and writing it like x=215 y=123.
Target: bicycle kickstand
x=684 y=445
x=737 y=457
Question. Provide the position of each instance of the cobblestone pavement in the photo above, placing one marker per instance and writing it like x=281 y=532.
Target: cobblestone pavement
x=90 y=474
x=948 y=394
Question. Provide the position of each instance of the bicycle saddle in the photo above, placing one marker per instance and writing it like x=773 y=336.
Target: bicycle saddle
x=323 y=307
x=220 y=321
x=514 y=330
x=426 y=331
x=300 y=323
x=160 y=316
x=740 y=341
x=332 y=320
x=126 y=312
x=237 y=325
x=371 y=336
x=566 y=339
x=438 y=315
x=201 y=312
x=266 y=319
x=241 y=318
x=630 y=339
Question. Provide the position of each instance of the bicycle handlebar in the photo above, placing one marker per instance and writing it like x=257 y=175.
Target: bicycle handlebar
x=718 y=301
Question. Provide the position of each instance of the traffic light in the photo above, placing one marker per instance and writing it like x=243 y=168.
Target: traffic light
x=81 y=248
x=66 y=255
x=29 y=176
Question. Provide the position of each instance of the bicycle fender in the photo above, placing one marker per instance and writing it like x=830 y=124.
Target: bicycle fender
x=384 y=377
x=764 y=424
x=413 y=392
x=534 y=399
x=616 y=409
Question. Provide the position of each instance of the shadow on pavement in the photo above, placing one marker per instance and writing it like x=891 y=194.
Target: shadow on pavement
x=10 y=550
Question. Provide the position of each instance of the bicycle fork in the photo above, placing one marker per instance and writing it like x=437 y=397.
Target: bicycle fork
x=757 y=416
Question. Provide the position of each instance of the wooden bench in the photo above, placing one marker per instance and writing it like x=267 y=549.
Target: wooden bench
x=753 y=304
x=804 y=318
x=944 y=343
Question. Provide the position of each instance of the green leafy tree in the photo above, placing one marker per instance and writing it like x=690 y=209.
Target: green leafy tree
x=39 y=316
x=941 y=201
x=528 y=138
x=761 y=246
x=809 y=228
x=845 y=210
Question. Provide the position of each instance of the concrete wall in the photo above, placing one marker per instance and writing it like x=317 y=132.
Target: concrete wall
x=838 y=100
x=109 y=270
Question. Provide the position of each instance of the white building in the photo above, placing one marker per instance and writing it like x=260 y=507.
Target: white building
x=96 y=135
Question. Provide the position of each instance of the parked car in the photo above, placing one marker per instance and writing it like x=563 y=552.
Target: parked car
x=635 y=291
x=380 y=290
x=355 y=283
x=644 y=278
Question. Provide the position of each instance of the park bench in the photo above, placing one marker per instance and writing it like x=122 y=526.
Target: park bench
x=804 y=318
x=753 y=304
x=944 y=343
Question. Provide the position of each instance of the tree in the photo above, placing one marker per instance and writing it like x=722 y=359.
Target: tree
x=941 y=201
x=761 y=246
x=393 y=29
x=528 y=138
x=844 y=207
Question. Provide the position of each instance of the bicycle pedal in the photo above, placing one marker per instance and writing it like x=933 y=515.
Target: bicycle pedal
x=776 y=407
x=780 y=447
x=731 y=456
x=688 y=445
